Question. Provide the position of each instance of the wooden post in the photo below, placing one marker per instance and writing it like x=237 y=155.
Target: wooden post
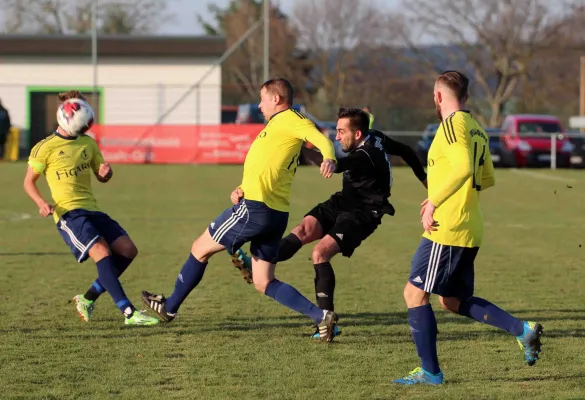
x=582 y=90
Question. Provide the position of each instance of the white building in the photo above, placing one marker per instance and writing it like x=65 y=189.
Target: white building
x=138 y=80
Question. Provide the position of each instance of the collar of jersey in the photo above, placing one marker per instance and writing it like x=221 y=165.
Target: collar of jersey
x=463 y=111
x=274 y=115
x=364 y=141
x=65 y=137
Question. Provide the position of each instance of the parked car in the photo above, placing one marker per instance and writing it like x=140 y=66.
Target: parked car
x=526 y=141
x=578 y=154
x=423 y=145
x=229 y=114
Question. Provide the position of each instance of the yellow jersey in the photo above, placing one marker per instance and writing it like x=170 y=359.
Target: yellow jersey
x=271 y=162
x=68 y=163
x=459 y=166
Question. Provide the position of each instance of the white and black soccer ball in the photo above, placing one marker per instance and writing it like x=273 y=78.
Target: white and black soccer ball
x=75 y=116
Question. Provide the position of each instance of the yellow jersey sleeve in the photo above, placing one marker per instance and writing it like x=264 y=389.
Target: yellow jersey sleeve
x=39 y=155
x=306 y=131
x=460 y=158
x=97 y=158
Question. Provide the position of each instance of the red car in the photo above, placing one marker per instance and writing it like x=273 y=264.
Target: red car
x=526 y=141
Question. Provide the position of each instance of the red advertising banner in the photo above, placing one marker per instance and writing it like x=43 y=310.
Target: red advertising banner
x=175 y=144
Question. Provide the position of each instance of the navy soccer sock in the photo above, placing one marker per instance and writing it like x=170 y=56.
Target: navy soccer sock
x=288 y=247
x=423 y=327
x=483 y=311
x=289 y=297
x=108 y=277
x=96 y=288
x=188 y=279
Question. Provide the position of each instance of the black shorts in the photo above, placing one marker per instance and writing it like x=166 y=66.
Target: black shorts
x=348 y=226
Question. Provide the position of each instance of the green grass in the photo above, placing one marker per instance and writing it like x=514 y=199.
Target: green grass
x=229 y=342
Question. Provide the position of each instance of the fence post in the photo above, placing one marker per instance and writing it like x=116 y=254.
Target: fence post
x=198 y=106
x=161 y=101
x=553 y=151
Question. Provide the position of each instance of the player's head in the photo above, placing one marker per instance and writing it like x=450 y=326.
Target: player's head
x=451 y=90
x=276 y=95
x=352 y=128
x=367 y=109
x=71 y=94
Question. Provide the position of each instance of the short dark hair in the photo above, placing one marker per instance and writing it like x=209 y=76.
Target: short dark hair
x=456 y=82
x=281 y=87
x=358 y=119
x=71 y=94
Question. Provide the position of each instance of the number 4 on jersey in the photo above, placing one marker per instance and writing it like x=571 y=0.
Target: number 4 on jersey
x=478 y=166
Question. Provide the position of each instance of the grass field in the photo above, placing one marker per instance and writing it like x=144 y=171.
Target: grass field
x=229 y=342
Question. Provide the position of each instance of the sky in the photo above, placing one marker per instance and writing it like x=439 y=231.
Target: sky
x=186 y=11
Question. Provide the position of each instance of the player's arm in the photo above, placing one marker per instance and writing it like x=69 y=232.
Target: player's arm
x=488 y=173
x=307 y=132
x=396 y=148
x=102 y=170
x=36 y=165
x=359 y=160
x=461 y=159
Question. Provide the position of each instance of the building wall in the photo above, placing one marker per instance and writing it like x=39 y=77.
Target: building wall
x=135 y=91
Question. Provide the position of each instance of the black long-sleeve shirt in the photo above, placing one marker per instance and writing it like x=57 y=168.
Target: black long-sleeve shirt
x=367 y=172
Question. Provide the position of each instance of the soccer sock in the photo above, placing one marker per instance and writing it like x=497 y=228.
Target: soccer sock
x=289 y=297
x=96 y=289
x=423 y=326
x=188 y=279
x=324 y=285
x=288 y=247
x=108 y=277
x=483 y=311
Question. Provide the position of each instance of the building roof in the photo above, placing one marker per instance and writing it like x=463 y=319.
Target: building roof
x=112 y=46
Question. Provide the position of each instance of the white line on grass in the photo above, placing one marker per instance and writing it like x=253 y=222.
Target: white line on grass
x=15 y=217
x=540 y=175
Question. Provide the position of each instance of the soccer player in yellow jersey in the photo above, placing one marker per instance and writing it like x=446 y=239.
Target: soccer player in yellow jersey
x=67 y=159
x=260 y=211
x=459 y=168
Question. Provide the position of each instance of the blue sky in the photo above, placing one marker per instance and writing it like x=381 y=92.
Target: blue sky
x=185 y=21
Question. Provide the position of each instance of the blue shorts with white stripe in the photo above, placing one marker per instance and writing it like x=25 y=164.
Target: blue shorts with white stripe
x=254 y=222
x=444 y=270
x=81 y=229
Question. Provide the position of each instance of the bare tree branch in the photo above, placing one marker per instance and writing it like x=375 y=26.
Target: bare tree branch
x=74 y=16
x=496 y=39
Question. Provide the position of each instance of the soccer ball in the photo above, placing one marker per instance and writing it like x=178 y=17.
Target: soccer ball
x=75 y=116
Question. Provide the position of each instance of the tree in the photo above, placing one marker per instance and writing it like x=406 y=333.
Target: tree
x=349 y=42
x=74 y=16
x=243 y=70
x=494 y=41
x=551 y=83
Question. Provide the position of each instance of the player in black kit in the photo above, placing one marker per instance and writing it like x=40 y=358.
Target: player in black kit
x=350 y=216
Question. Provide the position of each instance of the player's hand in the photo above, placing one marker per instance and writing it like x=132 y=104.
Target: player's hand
x=46 y=209
x=105 y=171
x=429 y=223
x=327 y=168
x=422 y=205
x=237 y=195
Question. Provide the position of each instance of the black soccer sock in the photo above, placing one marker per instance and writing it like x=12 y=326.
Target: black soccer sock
x=324 y=285
x=96 y=289
x=288 y=247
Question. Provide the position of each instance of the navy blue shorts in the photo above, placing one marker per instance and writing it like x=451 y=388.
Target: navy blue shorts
x=444 y=270
x=81 y=229
x=254 y=222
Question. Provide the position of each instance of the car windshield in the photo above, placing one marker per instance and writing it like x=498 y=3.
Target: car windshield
x=527 y=128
